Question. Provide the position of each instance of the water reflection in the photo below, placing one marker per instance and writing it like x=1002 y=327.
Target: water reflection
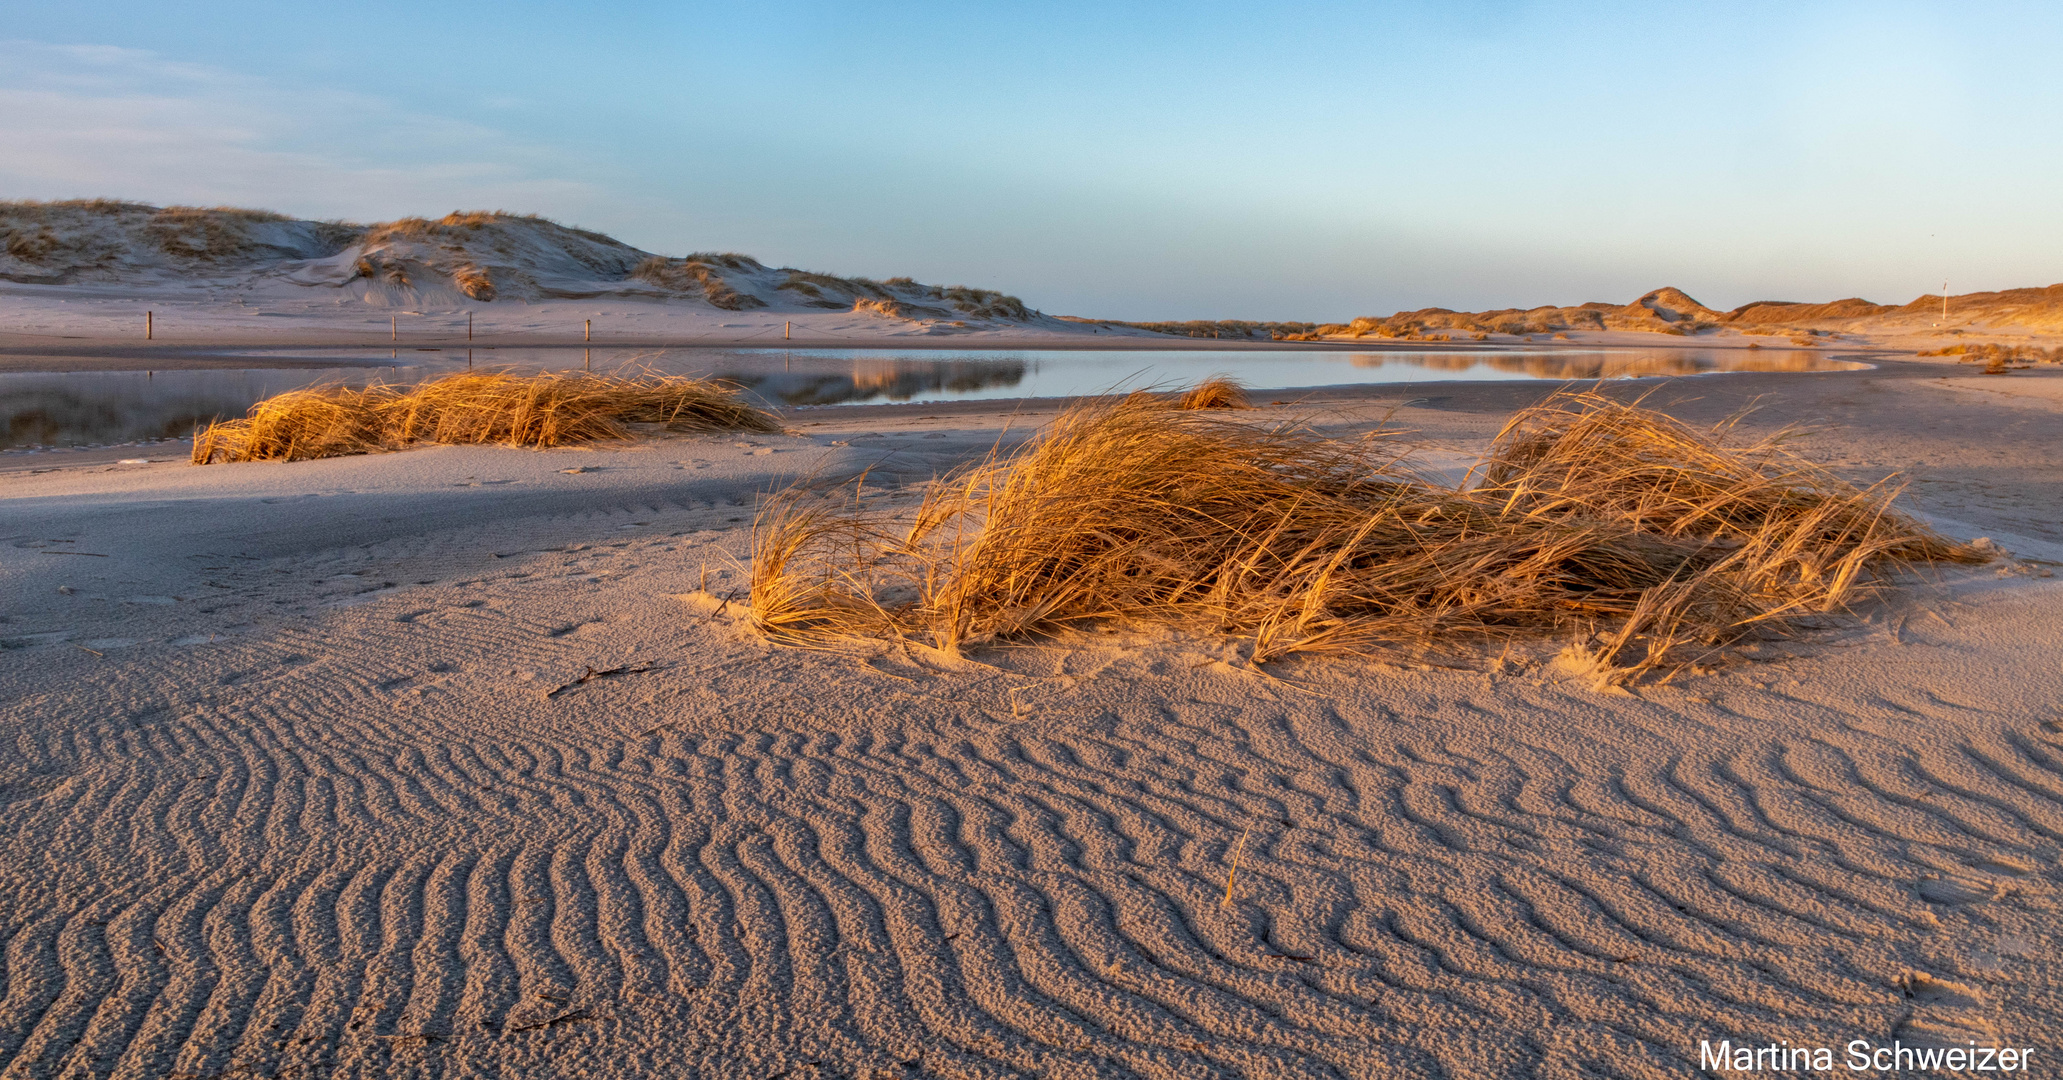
x=1626 y=364
x=880 y=380
x=90 y=408
x=114 y=407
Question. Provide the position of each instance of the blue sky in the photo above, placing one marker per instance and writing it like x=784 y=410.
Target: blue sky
x=1195 y=160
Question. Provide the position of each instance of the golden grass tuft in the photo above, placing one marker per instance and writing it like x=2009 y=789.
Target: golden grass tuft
x=698 y=273
x=1999 y=354
x=1592 y=515
x=474 y=281
x=540 y=411
x=1216 y=392
x=887 y=309
x=300 y=425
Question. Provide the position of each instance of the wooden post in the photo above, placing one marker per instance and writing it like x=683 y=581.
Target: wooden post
x=394 y=328
x=469 y=326
x=786 y=326
x=587 y=330
x=148 y=329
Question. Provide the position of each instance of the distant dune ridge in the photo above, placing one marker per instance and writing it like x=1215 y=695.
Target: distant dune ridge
x=464 y=256
x=1670 y=310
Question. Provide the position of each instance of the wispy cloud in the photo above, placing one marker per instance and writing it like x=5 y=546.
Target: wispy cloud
x=92 y=120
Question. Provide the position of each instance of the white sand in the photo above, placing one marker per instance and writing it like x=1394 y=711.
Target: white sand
x=284 y=795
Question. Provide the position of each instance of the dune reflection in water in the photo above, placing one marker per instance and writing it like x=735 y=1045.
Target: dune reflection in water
x=894 y=379
x=1617 y=364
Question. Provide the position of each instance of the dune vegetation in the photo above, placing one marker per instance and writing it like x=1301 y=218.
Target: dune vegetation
x=1234 y=329
x=2000 y=359
x=543 y=410
x=1217 y=392
x=1654 y=543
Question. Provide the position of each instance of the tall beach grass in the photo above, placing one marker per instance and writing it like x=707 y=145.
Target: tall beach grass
x=1658 y=542
x=542 y=410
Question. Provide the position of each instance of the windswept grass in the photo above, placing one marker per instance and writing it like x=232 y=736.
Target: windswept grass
x=887 y=309
x=474 y=281
x=1217 y=392
x=1591 y=516
x=698 y=273
x=1999 y=354
x=301 y=425
x=544 y=410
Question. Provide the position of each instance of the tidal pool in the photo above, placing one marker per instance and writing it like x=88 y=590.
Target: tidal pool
x=86 y=408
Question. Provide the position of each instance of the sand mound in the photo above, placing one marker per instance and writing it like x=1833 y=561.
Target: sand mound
x=544 y=410
x=1591 y=516
x=463 y=257
x=107 y=240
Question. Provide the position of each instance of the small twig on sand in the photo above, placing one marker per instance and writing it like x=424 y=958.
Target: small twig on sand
x=83 y=648
x=88 y=554
x=567 y=1018
x=1238 y=850
x=593 y=674
x=720 y=608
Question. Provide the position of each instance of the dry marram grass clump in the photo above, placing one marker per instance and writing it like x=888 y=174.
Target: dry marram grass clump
x=1590 y=515
x=1218 y=392
x=540 y=411
x=301 y=425
x=699 y=273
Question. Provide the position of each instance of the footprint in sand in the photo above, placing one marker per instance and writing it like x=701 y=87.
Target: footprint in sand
x=1945 y=1012
x=1955 y=889
x=1934 y=990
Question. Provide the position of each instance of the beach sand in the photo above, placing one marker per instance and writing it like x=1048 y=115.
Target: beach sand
x=301 y=779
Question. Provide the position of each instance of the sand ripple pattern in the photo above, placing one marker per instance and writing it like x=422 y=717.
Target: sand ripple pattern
x=311 y=869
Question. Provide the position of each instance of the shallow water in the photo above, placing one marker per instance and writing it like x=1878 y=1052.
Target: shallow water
x=120 y=407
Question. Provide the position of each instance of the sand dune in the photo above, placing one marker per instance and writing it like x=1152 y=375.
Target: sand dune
x=288 y=791
x=2015 y=314
x=217 y=270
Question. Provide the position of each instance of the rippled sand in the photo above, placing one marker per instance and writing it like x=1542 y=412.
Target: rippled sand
x=288 y=792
